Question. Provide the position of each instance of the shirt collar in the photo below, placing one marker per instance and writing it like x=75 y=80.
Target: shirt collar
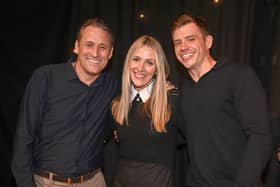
x=219 y=64
x=72 y=75
x=144 y=94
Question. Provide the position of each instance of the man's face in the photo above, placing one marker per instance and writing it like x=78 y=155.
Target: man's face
x=190 y=46
x=94 y=51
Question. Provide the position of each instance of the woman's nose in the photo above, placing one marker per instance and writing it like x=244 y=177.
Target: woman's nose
x=140 y=66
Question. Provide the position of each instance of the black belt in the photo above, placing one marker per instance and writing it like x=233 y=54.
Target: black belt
x=66 y=179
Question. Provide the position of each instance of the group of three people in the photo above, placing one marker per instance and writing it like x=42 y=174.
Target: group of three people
x=219 y=110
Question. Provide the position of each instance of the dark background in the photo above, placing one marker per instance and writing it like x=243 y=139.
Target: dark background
x=40 y=32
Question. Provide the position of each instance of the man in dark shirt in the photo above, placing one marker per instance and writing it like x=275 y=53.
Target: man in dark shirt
x=60 y=131
x=224 y=112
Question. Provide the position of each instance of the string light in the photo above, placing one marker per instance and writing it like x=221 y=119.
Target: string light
x=141 y=16
x=217 y=2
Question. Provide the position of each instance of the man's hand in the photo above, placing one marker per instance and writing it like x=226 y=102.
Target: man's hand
x=169 y=86
x=278 y=156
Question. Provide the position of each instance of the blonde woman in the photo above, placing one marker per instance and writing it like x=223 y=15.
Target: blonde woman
x=145 y=126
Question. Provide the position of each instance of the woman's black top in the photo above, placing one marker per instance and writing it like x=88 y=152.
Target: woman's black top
x=147 y=157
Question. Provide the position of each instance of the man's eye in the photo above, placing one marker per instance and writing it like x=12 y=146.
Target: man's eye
x=177 y=43
x=191 y=39
x=103 y=47
x=89 y=45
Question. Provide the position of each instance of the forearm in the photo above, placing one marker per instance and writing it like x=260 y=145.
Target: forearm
x=256 y=156
x=22 y=162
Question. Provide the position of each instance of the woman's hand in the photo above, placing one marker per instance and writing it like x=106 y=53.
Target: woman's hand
x=116 y=138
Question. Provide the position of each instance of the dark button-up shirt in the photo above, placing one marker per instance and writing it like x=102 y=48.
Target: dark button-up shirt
x=61 y=123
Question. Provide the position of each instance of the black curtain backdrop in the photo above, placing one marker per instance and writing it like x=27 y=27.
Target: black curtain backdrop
x=37 y=32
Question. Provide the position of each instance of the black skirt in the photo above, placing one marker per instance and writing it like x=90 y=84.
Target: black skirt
x=142 y=174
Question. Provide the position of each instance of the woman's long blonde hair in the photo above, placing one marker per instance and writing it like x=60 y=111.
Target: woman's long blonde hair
x=157 y=107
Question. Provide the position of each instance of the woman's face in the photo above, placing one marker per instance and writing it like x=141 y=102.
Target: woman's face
x=142 y=67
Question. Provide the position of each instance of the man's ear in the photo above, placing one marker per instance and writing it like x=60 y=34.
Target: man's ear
x=111 y=53
x=209 y=41
x=76 y=47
